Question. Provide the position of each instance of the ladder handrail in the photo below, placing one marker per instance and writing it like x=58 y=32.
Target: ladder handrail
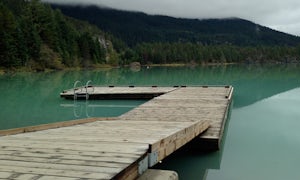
x=88 y=85
x=75 y=86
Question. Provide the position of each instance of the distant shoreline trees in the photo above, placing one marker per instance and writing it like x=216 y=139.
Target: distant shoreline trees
x=166 y=53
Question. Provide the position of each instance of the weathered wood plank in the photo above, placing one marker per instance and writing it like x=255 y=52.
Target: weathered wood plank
x=151 y=132
x=68 y=152
x=50 y=126
x=109 y=159
x=164 y=103
x=60 y=160
x=173 y=142
x=56 y=172
x=20 y=176
x=126 y=147
x=65 y=167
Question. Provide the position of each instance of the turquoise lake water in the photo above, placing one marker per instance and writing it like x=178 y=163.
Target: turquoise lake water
x=261 y=141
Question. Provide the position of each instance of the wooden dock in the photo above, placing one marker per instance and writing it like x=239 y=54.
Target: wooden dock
x=120 y=148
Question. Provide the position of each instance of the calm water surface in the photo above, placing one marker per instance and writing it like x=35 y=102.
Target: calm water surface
x=262 y=140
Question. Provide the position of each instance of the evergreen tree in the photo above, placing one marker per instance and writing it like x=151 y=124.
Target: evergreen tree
x=8 y=47
x=32 y=34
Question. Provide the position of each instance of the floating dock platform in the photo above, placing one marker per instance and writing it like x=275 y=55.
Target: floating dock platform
x=111 y=92
x=120 y=148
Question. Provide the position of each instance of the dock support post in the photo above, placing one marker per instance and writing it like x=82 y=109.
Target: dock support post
x=153 y=158
x=150 y=160
x=143 y=165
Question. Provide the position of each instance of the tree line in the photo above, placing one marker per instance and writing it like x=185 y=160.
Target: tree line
x=187 y=53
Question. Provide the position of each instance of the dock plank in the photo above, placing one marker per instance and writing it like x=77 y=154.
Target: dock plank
x=125 y=147
x=104 y=158
x=66 y=152
x=84 y=162
x=67 y=167
x=55 y=172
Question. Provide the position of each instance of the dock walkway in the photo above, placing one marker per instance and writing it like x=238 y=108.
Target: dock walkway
x=121 y=148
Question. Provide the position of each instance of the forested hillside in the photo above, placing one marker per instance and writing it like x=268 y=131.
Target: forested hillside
x=35 y=36
x=137 y=27
x=162 y=39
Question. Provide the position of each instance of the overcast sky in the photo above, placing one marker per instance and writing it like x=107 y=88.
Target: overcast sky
x=282 y=15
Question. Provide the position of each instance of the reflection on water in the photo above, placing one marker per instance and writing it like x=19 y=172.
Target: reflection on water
x=86 y=109
x=262 y=140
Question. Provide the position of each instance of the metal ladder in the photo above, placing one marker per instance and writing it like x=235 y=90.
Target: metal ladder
x=82 y=91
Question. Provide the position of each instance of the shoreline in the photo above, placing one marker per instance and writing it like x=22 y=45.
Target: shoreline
x=189 y=64
x=95 y=67
x=26 y=69
x=107 y=67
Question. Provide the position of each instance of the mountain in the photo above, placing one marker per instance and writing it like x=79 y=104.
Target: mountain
x=137 y=27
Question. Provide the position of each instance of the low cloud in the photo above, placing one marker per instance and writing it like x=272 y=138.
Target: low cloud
x=276 y=14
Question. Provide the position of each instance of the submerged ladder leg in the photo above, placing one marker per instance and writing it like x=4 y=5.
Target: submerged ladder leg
x=87 y=85
x=75 y=88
